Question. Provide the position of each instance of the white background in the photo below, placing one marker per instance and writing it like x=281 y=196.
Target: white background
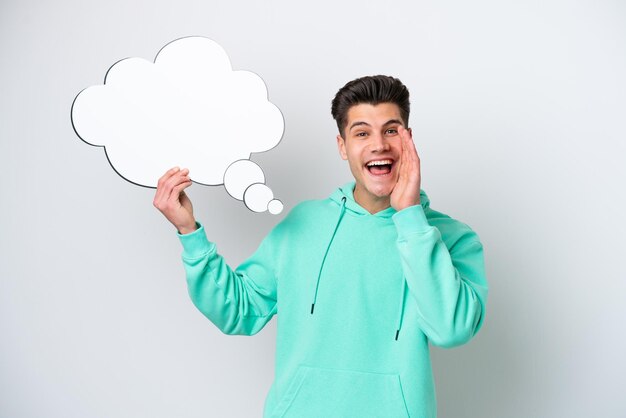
x=518 y=113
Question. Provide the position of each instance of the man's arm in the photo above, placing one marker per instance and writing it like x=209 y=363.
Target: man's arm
x=237 y=301
x=231 y=299
x=449 y=285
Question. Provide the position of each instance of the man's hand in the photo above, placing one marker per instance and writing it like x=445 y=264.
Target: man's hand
x=172 y=201
x=407 y=190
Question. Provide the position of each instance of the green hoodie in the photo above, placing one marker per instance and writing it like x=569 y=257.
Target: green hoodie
x=361 y=297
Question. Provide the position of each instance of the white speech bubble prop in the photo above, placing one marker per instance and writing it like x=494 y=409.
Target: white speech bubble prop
x=241 y=174
x=257 y=197
x=275 y=206
x=187 y=109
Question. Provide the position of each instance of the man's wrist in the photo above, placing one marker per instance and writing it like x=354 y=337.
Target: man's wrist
x=183 y=230
x=411 y=220
x=401 y=207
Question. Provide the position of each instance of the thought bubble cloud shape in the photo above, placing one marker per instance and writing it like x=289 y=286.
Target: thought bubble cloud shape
x=187 y=109
x=258 y=197
x=275 y=206
x=241 y=174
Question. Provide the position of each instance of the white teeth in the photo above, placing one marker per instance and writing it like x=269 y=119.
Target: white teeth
x=381 y=162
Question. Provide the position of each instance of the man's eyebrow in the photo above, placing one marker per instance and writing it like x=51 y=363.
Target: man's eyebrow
x=358 y=123
x=389 y=122
x=393 y=122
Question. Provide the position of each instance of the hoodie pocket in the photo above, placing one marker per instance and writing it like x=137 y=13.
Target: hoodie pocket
x=326 y=393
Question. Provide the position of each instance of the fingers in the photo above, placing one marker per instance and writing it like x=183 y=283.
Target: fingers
x=178 y=189
x=406 y=191
x=165 y=177
x=171 y=200
x=409 y=152
x=168 y=174
x=161 y=183
x=173 y=182
x=405 y=160
x=168 y=185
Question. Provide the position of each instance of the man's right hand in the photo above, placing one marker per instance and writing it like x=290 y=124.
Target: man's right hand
x=172 y=201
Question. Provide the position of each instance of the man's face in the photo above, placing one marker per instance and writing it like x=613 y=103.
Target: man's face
x=373 y=148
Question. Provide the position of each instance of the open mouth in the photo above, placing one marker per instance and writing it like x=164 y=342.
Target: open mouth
x=380 y=167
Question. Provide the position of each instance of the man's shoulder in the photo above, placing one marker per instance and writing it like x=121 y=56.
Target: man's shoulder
x=304 y=219
x=311 y=205
x=452 y=230
x=309 y=211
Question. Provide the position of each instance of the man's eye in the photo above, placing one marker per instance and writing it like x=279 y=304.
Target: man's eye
x=361 y=134
x=391 y=131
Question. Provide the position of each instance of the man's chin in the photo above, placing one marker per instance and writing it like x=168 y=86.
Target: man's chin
x=380 y=192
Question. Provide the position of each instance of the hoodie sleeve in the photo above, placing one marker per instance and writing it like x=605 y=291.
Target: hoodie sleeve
x=237 y=301
x=448 y=284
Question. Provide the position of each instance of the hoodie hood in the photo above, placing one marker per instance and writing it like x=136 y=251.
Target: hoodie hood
x=354 y=208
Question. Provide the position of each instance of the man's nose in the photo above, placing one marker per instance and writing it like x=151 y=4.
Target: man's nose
x=379 y=143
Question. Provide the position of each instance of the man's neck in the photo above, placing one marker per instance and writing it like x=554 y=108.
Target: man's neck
x=372 y=204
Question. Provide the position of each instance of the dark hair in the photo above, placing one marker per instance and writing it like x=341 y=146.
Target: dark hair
x=371 y=90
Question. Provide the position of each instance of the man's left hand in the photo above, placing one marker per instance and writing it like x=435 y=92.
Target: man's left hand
x=407 y=190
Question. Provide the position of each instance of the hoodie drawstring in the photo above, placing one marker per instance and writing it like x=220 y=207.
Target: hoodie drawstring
x=342 y=210
x=402 y=295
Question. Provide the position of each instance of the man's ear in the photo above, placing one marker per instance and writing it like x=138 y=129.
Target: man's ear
x=341 y=144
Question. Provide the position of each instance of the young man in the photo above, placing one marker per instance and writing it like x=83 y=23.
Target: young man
x=363 y=281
